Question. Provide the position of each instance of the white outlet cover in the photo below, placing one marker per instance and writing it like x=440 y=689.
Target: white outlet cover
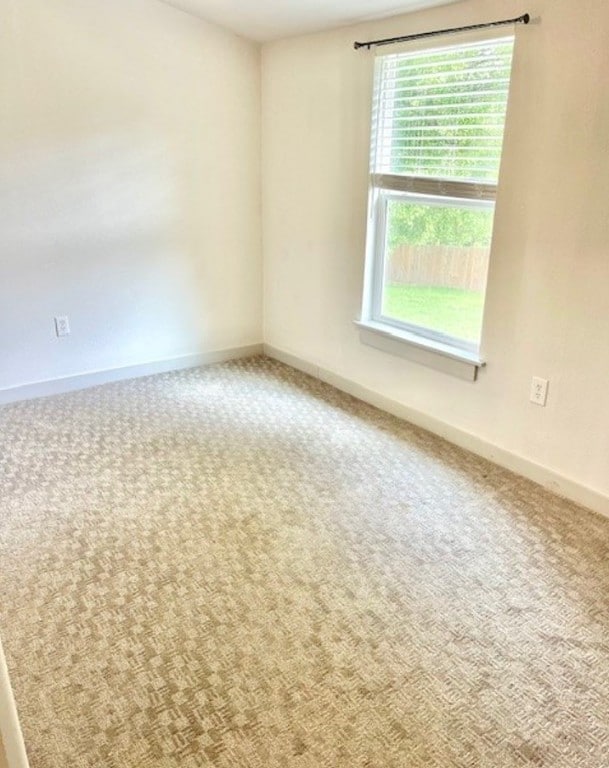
x=539 y=391
x=62 y=326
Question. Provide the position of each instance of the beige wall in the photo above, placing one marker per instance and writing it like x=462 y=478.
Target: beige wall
x=129 y=186
x=12 y=749
x=548 y=292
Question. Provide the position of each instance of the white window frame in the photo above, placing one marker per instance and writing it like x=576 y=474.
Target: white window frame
x=429 y=191
x=375 y=295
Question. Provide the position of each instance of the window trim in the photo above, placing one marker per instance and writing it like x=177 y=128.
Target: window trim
x=423 y=351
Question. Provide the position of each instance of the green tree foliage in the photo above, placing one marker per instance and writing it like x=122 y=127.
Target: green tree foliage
x=414 y=224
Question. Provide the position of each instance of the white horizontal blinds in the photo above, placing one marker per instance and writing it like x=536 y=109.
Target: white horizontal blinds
x=441 y=113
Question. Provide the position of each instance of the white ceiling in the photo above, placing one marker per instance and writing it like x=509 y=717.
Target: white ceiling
x=269 y=19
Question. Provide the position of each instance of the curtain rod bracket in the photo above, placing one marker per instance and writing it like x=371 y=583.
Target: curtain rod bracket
x=524 y=19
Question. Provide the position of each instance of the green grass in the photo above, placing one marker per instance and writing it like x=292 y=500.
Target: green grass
x=453 y=311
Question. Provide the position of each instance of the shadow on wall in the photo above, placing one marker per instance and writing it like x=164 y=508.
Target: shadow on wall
x=129 y=133
x=94 y=229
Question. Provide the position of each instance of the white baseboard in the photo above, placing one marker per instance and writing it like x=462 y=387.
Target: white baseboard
x=544 y=476
x=94 y=378
x=548 y=478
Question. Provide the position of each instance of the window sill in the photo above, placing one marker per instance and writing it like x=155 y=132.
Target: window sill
x=433 y=354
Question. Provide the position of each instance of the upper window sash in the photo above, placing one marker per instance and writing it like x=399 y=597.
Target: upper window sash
x=440 y=113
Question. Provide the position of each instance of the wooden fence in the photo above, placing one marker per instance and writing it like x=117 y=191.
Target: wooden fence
x=445 y=266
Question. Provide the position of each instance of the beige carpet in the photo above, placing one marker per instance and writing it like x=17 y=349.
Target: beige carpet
x=242 y=567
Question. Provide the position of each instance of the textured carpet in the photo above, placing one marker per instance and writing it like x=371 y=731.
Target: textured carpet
x=239 y=566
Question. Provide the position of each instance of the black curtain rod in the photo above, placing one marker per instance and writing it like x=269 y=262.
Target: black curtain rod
x=524 y=19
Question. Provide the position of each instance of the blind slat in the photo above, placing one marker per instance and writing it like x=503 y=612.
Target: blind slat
x=446 y=87
x=442 y=112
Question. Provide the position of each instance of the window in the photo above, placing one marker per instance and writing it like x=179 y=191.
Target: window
x=437 y=133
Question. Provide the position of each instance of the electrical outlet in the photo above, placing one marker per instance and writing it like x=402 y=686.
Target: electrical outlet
x=539 y=391
x=62 y=326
